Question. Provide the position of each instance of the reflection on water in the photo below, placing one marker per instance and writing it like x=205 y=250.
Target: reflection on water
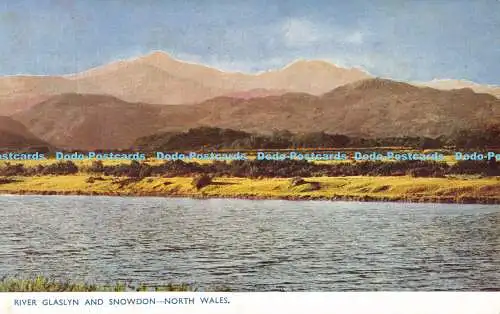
x=252 y=245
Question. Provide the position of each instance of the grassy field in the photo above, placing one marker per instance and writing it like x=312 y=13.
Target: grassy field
x=448 y=157
x=43 y=284
x=401 y=188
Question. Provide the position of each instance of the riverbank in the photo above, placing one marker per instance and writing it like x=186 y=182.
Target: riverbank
x=360 y=188
x=44 y=284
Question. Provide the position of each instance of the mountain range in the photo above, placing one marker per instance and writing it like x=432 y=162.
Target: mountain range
x=158 y=78
x=14 y=134
x=368 y=108
x=109 y=107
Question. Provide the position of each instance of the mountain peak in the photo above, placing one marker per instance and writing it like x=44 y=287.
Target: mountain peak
x=157 y=54
x=310 y=64
x=158 y=58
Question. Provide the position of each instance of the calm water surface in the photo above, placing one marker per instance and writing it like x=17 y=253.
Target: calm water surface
x=252 y=245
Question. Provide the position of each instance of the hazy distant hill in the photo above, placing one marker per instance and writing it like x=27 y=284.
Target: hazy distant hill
x=458 y=84
x=157 y=74
x=370 y=108
x=159 y=79
x=18 y=93
x=90 y=121
x=373 y=107
x=15 y=136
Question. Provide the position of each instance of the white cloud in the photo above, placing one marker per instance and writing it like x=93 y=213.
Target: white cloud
x=298 y=32
x=355 y=38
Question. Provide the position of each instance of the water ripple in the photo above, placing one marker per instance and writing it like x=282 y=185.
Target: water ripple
x=253 y=245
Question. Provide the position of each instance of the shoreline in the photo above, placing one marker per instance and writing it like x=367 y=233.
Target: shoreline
x=366 y=198
x=41 y=283
x=357 y=189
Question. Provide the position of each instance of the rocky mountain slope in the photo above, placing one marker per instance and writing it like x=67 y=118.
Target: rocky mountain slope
x=370 y=108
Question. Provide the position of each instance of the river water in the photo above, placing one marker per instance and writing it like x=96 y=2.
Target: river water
x=252 y=245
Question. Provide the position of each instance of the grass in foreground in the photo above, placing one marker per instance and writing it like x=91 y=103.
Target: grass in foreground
x=43 y=284
x=399 y=188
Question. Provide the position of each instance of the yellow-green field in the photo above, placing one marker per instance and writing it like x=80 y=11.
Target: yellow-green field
x=88 y=162
x=453 y=190
x=450 y=159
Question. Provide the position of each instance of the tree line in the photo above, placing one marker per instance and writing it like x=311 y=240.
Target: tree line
x=219 y=138
x=260 y=169
x=213 y=138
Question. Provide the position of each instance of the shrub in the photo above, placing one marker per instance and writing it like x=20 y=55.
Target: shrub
x=61 y=168
x=314 y=186
x=13 y=170
x=145 y=171
x=296 y=181
x=420 y=172
x=6 y=180
x=96 y=167
x=201 y=181
x=94 y=179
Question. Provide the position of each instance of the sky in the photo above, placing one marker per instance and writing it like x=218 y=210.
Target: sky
x=413 y=40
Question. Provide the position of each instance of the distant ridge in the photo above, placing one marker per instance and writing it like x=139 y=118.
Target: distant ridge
x=368 y=108
x=158 y=78
x=14 y=136
x=448 y=84
x=90 y=121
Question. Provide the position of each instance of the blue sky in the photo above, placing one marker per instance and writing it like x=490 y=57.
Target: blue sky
x=414 y=40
